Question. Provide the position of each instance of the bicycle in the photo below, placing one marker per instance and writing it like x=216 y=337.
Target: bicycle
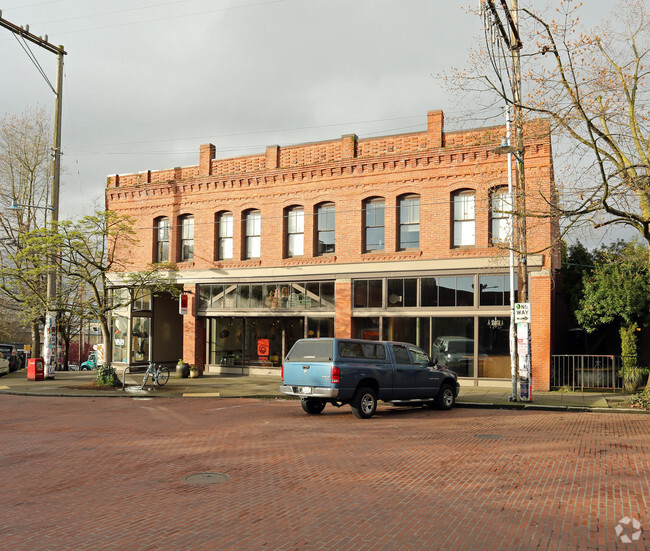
x=159 y=375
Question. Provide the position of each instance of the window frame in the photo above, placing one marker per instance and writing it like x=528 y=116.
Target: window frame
x=160 y=242
x=222 y=237
x=500 y=216
x=186 y=237
x=463 y=227
x=371 y=213
x=252 y=241
x=407 y=203
x=295 y=231
x=322 y=226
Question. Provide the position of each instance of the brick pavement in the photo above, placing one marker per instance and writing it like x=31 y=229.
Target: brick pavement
x=110 y=474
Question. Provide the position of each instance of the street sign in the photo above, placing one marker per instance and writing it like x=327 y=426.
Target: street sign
x=522 y=312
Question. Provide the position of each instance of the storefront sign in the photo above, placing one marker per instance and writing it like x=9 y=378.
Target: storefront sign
x=263 y=348
x=183 y=303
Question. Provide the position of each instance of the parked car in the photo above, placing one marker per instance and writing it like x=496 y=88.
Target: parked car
x=360 y=372
x=73 y=367
x=10 y=353
x=4 y=365
x=457 y=353
x=90 y=363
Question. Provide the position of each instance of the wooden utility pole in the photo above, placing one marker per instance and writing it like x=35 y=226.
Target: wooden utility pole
x=49 y=341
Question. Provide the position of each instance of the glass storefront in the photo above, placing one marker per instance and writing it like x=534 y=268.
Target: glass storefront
x=249 y=341
x=470 y=343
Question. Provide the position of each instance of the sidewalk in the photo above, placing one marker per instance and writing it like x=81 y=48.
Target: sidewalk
x=80 y=384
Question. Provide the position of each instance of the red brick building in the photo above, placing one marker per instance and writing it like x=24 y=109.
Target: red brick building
x=397 y=237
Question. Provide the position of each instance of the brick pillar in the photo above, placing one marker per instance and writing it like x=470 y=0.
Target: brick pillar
x=348 y=146
x=390 y=225
x=435 y=126
x=193 y=332
x=272 y=156
x=541 y=294
x=310 y=235
x=207 y=153
x=343 y=314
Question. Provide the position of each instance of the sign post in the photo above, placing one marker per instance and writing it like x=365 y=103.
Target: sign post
x=522 y=319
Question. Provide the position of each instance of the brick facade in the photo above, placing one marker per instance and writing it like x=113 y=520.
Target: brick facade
x=347 y=171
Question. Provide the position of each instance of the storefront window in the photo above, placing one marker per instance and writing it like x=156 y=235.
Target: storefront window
x=368 y=293
x=453 y=344
x=412 y=330
x=495 y=290
x=141 y=339
x=494 y=347
x=366 y=328
x=120 y=336
x=296 y=295
x=320 y=327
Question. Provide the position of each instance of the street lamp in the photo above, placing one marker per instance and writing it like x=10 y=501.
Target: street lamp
x=49 y=330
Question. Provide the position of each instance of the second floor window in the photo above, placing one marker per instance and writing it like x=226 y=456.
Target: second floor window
x=373 y=213
x=464 y=219
x=325 y=228
x=253 y=234
x=409 y=222
x=162 y=240
x=187 y=238
x=296 y=231
x=224 y=235
x=500 y=216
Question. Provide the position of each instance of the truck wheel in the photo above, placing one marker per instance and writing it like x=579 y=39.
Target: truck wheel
x=313 y=406
x=364 y=403
x=84 y=368
x=446 y=397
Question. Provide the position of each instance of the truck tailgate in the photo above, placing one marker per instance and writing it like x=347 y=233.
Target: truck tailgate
x=312 y=374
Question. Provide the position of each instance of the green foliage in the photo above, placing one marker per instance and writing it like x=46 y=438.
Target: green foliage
x=617 y=289
x=107 y=376
x=576 y=261
x=640 y=401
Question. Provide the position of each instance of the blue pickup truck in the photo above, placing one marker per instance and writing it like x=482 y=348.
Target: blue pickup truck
x=360 y=372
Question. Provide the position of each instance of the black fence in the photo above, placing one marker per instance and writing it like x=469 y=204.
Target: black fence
x=580 y=372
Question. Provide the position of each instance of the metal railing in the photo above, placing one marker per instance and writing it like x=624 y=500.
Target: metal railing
x=584 y=372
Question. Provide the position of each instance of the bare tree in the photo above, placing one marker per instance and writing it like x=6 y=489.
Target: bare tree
x=25 y=174
x=592 y=84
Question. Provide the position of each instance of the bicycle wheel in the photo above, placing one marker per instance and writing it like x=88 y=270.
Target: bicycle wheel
x=163 y=376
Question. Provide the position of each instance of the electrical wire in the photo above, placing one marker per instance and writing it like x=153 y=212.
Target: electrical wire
x=23 y=44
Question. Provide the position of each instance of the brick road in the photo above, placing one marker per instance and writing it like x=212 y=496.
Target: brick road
x=111 y=473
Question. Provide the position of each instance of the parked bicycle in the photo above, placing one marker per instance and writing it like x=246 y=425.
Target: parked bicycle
x=159 y=375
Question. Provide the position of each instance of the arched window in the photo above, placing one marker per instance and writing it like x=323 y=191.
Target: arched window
x=373 y=223
x=325 y=228
x=224 y=227
x=409 y=222
x=500 y=209
x=295 y=224
x=252 y=234
x=186 y=224
x=464 y=218
x=161 y=253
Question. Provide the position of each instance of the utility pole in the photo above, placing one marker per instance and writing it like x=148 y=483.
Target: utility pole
x=511 y=37
x=49 y=340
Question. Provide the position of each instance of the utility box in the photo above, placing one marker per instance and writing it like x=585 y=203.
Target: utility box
x=35 y=369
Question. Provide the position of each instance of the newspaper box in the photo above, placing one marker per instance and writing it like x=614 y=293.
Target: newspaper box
x=35 y=369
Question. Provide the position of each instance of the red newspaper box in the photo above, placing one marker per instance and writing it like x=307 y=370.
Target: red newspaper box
x=35 y=369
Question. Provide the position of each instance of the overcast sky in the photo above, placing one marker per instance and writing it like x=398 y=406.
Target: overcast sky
x=148 y=81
